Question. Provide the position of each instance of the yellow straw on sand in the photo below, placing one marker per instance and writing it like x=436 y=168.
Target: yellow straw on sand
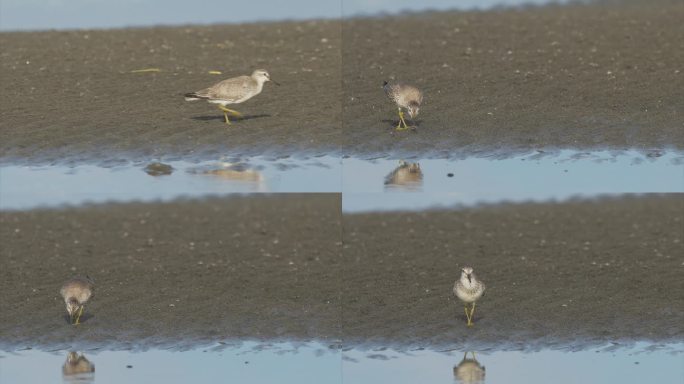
x=146 y=70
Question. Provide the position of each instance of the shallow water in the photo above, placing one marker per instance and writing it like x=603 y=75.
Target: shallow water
x=317 y=363
x=641 y=363
x=70 y=14
x=243 y=363
x=379 y=184
x=536 y=177
x=26 y=187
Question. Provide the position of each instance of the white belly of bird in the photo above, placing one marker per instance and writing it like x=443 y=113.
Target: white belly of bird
x=468 y=294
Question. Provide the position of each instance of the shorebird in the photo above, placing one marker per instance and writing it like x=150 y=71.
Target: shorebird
x=469 y=371
x=406 y=175
x=469 y=289
x=235 y=90
x=76 y=292
x=404 y=96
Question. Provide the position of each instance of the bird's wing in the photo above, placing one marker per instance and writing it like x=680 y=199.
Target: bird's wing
x=230 y=90
x=413 y=93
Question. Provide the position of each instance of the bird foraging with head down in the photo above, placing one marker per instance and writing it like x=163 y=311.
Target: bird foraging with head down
x=405 y=97
x=76 y=292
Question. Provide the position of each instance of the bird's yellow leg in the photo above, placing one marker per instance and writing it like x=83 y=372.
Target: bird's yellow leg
x=472 y=311
x=465 y=307
x=78 y=317
x=404 y=121
x=225 y=114
x=232 y=112
x=401 y=120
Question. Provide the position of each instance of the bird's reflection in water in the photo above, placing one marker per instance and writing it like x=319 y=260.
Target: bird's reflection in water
x=469 y=371
x=78 y=369
x=238 y=172
x=407 y=176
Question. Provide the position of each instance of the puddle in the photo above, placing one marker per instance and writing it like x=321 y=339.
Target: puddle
x=62 y=14
x=641 y=363
x=26 y=187
x=317 y=363
x=355 y=8
x=242 y=363
x=367 y=184
x=537 y=177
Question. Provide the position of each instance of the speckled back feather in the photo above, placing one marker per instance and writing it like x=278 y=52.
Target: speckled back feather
x=403 y=94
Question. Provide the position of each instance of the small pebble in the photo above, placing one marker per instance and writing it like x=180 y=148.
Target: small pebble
x=450 y=174
x=129 y=366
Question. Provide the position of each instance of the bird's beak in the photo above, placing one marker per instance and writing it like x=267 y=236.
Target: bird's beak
x=275 y=82
x=470 y=279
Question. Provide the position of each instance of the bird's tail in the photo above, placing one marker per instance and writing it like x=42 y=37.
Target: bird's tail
x=193 y=96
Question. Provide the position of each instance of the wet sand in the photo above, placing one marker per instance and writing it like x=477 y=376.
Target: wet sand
x=175 y=274
x=71 y=96
x=560 y=275
x=508 y=81
x=273 y=267
x=579 y=76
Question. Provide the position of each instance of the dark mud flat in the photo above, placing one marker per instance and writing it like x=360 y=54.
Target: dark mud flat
x=176 y=274
x=71 y=96
x=514 y=80
x=567 y=275
x=505 y=81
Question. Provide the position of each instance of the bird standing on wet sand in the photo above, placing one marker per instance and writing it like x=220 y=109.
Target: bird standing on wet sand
x=469 y=289
x=232 y=91
x=404 y=96
x=76 y=293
